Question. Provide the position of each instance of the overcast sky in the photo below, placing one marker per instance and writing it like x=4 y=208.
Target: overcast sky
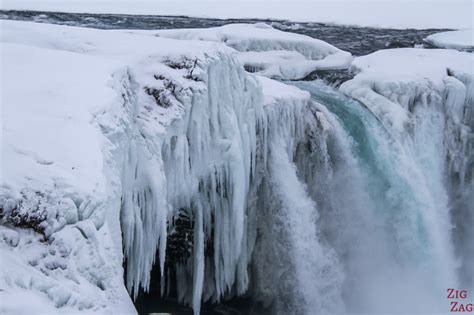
x=383 y=13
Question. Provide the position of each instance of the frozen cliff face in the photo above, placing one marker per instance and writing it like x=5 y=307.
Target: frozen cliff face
x=426 y=103
x=209 y=160
x=269 y=52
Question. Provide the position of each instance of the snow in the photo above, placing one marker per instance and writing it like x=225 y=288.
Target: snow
x=275 y=92
x=461 y=40
x=13 y=302
x=418 y=14
x=270 y=52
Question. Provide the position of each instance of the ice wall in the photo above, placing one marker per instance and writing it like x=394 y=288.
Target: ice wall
x=203 y=166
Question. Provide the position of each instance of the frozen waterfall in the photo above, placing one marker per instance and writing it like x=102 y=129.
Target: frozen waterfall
x=316 y=194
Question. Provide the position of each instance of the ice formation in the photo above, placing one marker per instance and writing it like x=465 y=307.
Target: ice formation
x=172 y=156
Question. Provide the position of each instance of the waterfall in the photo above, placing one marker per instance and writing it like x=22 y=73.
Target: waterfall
x=387 y=215
x=314 y=193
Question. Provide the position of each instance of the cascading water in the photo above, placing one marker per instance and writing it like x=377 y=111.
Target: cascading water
x=384 y=209
x=290 y=251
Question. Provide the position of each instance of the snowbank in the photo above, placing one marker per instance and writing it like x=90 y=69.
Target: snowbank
x=270 y=52
x=460 y=40
x=420 y=14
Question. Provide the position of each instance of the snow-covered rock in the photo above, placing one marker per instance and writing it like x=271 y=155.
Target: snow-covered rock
x=460 y=40
x=270 y=52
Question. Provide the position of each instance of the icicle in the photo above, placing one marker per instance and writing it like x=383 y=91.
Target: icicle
x=198 y=269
